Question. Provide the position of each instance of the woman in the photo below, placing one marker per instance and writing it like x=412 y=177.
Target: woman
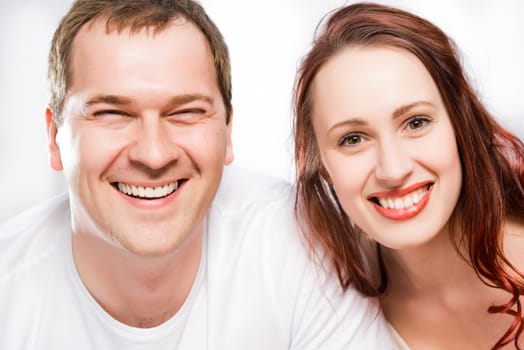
x=392 y=144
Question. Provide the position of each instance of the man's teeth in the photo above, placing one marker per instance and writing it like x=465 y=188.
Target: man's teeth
x=405 y=202
x=148 y=192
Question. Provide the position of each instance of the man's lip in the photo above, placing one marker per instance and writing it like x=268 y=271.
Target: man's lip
x=158 y=205
x=146 y=184
x=400 y=192
x=148 y=193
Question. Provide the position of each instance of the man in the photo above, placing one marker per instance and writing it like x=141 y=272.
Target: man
x=146 y=251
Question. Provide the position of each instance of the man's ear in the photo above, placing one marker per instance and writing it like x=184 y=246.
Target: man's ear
x=55 y=159
x=229 y=146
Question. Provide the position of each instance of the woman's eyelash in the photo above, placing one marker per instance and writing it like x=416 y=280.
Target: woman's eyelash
x=350 y=139
x=417 y=122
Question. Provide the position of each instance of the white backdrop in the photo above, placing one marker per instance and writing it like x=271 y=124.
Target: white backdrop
x=266 y=40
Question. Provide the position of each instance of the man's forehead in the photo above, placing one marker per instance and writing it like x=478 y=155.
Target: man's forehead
x=105 y=59
x=100 y=32
x=109 y=25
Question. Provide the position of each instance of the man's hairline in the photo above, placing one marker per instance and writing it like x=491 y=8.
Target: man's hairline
x=103 y=20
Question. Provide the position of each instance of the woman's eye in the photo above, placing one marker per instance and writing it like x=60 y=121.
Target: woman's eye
x=350 y=140
x=416 y=123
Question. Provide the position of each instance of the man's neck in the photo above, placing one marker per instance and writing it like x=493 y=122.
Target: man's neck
x=136 y=290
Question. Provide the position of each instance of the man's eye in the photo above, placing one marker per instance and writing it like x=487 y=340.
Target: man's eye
x=110 y=113
x=350 y=140
x=113 y=118
x=190 y=111
x=187 y=115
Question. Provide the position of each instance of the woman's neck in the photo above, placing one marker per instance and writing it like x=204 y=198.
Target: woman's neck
x=429 y=268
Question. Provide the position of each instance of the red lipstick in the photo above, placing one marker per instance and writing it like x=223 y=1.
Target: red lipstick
x=403 y=213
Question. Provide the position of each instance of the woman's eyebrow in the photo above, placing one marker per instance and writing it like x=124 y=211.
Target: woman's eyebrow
x=400 y=111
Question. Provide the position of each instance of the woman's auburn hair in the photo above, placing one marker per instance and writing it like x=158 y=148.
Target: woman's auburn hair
x=491 y=157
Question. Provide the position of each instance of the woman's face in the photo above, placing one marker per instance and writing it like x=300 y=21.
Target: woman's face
x=387 y=144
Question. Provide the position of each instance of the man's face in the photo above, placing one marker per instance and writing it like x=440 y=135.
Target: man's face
x=144 y=138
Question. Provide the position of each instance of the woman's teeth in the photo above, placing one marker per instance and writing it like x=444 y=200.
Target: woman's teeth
x=403 y=202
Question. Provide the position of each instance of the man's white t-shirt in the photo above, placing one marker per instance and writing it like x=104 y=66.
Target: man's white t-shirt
x=256 y=288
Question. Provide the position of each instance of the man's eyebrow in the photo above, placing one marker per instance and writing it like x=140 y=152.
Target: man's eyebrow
x=109 y=99
x=122 y=100
x=187 y=98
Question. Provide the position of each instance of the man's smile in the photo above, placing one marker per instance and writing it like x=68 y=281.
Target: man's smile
x=148 y=192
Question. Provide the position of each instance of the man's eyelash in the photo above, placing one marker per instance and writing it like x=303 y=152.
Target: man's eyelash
x=190 y=110
x=110 y=111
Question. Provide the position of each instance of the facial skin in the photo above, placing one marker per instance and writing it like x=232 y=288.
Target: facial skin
x=385 y=136
x=142 y=110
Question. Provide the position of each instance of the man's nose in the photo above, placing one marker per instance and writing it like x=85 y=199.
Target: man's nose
x=154 y=146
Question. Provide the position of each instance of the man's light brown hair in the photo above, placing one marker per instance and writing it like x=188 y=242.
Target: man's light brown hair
x=134 y=15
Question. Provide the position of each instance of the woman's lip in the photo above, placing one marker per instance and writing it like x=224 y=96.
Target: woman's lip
x=400 y=192
x=404 y=213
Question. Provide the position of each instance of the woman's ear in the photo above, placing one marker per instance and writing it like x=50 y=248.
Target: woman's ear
x=55 y=159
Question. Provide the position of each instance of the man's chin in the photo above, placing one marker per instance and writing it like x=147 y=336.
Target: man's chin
x=143 y=244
